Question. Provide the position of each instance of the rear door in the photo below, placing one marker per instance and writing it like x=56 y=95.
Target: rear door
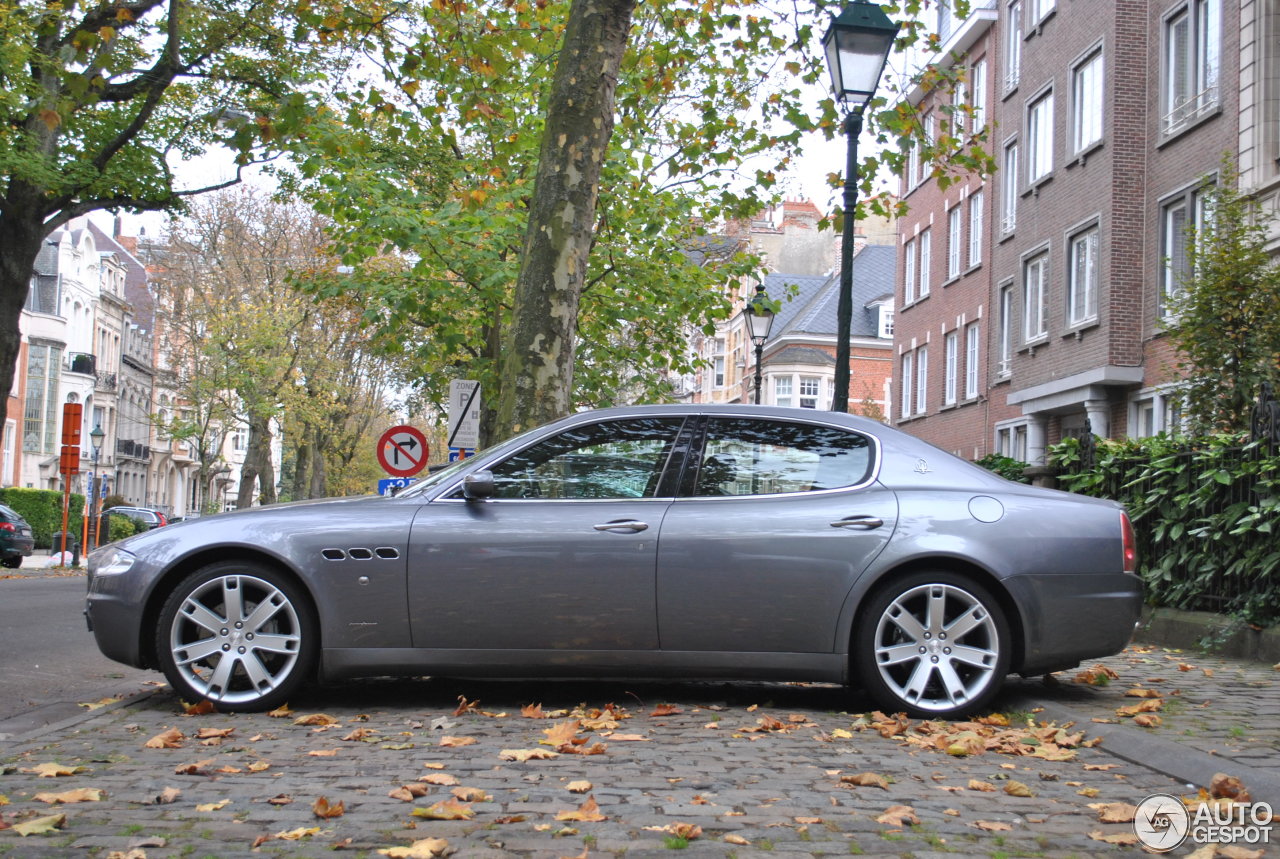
x=781 y=518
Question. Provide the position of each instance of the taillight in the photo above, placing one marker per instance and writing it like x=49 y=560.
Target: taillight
x=8 y=526
x=1130 y=544
x=163 y=520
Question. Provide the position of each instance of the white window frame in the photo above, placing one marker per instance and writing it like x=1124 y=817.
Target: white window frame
x=1004 y=367
x=975 y=228
x=1009 y=188
x=1013 y=46
x=1011 y=439
x=1175 y=238
x=926 y=260
x=1190 y=64
x=1164 y=406
x=809 y=390
x=907 y=377
x=978 y=94
x=971 y=341
x=782 y=391
x=1042 y=9
x=886 y=322
x=1040 y=133
x=909 y=272
x=922 y=380
x=1082 y=276
x=1035 y=278
x=955 y=231
x=1087 y=89
x=951 y=372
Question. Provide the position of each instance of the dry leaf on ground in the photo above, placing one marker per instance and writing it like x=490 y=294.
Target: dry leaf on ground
x=899 y=815
x=425 y=848
x=588 y=812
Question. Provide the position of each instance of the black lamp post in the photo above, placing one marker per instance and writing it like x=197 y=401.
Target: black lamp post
x=857 y=46
x=96 y=436
x=759 y=317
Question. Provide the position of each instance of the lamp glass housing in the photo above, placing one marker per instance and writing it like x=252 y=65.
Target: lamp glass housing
x=857 y=45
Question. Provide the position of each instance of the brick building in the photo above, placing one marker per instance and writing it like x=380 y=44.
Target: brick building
x=1106 y=118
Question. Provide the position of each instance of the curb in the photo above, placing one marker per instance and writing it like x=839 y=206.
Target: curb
x=84 y=716
x=1207 y=632
x=1190 y=766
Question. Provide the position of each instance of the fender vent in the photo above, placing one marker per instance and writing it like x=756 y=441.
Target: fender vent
x=387 y=553
x=360 y=554
x=334 y=554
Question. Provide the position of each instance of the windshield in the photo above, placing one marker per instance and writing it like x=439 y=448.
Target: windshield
x=444 y=475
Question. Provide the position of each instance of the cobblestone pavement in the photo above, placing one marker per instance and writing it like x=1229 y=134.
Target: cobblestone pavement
x=760 y=768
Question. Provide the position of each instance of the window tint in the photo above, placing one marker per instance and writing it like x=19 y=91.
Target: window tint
x=759 y=457
x=618 y=459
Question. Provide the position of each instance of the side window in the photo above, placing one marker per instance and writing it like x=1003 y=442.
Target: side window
x=616 y=459
x=762 y=457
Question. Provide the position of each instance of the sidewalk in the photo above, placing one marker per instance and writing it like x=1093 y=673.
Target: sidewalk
x=758 y=768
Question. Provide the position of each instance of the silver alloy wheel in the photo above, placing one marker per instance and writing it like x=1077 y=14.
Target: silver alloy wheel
x=937 y=647
x=235 y=638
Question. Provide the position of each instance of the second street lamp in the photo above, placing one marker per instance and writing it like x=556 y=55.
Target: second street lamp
x=96 y=436
x=759 y=317
x=857 y=46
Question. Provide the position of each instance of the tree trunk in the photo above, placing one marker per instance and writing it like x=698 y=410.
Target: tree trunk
x=20 y=240
x=539 y=346
x=257 y=468
x=302 y=466
x=319 y=479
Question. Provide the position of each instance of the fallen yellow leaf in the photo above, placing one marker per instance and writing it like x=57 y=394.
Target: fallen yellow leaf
x=589 y=811
x=471 y=794
x=52 y=770
x=522 y=755
x=322 y=720
x=442 y=779
x=899 y=815
x=1017 y=788
x=83 y=794
x=298 y=834
x=1114 y=812
x=170 y=739
x=454 y=742
x=426 y=848
x=449 y=809
x=1127 y=839
x=213 y=806
x=40 y=825
x=578 y=786
x=866 y=780
x=991 y=826
x=323 y=809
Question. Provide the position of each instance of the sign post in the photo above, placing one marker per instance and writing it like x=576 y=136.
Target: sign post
x=69 y=462
x=464 y=418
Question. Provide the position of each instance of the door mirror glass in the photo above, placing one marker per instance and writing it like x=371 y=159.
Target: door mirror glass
x=478 y=486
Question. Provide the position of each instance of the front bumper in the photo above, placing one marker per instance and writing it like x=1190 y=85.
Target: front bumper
x=113 y=613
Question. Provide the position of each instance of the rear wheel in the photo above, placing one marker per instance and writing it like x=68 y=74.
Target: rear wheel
x=239 y=634
x=12 y=562
x=934 y=644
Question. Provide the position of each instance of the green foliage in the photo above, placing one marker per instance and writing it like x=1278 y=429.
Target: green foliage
x=42 y=508
x=1205 y=513
x=114 y=501
x=1224 y=323
x=119 y=527
x=1005 y=466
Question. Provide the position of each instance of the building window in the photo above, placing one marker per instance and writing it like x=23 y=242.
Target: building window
x=909 y=272
x=782 y=390
x=1086 y=103
x=1041 y=9
x=954 y=239
x=913 y=164
x=719 y=363
x=1009 y=189
x=1035 y=275
x=1040 y=138
x=1006 y=330
x=930 y=135
x=1013 y=47
x=906 y=384
x=971 y=361
x=1156 y=411
x=1179 y=219
x=1082 y=291
x=978 y=94
x=975 y=228
x=926 y=261
x=810 y=390
x=10 y=430
x=1011 y=441
x=40 y=417
x=950 y=370
x=886 y=322
x=922 y=379
x=1191 y=56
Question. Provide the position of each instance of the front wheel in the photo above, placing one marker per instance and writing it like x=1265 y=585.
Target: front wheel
x=12 y=562
x=239 y=634
x=934 y=644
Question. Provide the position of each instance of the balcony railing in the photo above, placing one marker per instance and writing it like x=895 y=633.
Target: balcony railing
x=82 y=362
x=1190 y=108
x=107 y=381
x=133 y=449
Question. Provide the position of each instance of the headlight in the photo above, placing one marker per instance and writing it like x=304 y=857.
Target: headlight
x=110 y=561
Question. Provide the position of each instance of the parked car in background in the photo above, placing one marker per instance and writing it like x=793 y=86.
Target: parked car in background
x=16 y=541
x=661 y=541
x=145 y=517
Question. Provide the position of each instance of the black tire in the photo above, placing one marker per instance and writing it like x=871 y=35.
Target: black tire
x=253 y=660
x=12 y=562
x=933 y=667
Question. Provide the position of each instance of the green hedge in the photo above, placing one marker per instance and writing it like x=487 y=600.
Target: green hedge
x=120 y=527
x=42 y=508
x=1206 y=513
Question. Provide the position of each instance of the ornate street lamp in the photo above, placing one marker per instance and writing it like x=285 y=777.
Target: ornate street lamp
x=857 y=46
x=96 y=436
x=759 y=318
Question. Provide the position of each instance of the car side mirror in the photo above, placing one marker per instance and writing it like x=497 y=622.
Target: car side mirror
x=478 y=485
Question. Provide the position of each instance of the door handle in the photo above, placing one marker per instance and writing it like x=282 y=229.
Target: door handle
x=862 y=523
x=625 y=525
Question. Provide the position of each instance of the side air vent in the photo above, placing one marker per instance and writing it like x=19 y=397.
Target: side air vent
x=360 y=554
x=334 y=554
x=387 y=553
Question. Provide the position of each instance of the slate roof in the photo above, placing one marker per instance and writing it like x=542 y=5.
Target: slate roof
x=136 y=291
x=813 y=309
